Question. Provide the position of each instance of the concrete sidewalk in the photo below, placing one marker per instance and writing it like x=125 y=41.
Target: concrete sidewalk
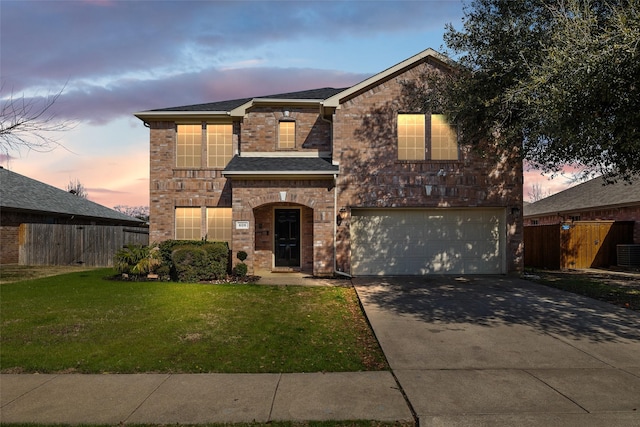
x=200 y=398
x=500 y=351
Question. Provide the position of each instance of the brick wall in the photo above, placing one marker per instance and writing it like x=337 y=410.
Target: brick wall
x=365 y=144
x=171 y=187
x=254 y=200
x=260 y=129
x=9 y=247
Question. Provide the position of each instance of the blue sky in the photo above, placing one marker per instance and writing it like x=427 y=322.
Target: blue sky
x=114 y=58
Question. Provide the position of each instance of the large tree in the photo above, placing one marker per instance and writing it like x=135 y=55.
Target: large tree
x=561 y=78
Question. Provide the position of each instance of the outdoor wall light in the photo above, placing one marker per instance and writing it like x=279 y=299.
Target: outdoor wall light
x=515 y=211
x=342 y=215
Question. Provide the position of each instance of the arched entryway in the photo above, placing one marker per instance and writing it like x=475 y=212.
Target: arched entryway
x=284 y=237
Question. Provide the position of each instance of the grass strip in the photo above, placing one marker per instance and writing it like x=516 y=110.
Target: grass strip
x=621 y=295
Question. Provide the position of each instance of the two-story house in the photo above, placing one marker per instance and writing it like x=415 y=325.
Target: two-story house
x=336 y=181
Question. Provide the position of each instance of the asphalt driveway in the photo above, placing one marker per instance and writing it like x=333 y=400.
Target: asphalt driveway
x=497 y=350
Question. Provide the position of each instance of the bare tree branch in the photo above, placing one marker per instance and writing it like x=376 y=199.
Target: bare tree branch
x=30 y=123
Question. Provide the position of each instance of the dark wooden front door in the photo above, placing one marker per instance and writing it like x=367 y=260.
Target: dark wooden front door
x=287 y=237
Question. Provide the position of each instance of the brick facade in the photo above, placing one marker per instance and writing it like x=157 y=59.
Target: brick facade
x=360 y=136
x=365 y=141
x=260 y=129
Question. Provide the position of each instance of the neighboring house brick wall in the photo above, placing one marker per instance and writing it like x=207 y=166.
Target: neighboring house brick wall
x=365 y=144
x=9 y=244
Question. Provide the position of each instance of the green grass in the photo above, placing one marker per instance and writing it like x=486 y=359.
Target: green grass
x=81 y=322
x=621 y=295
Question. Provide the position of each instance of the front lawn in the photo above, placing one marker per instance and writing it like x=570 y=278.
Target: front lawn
x=81 y=322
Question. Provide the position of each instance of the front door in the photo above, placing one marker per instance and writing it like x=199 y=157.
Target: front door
x=287 y=237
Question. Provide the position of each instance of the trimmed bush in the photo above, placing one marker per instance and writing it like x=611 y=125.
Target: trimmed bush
x=240 y=269
x=195 y=261
x=190 y=263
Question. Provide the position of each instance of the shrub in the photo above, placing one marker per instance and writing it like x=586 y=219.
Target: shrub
x=137 y=260
x=190 y=263
x=242 y=255
x=194 y=261
x=240 y=269
x=218 y=254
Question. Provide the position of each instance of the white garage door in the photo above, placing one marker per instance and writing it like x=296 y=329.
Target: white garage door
x=417 y=242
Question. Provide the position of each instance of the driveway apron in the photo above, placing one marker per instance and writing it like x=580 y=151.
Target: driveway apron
x=498 y=350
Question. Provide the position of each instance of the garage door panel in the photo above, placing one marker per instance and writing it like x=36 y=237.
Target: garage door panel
x=417 y=242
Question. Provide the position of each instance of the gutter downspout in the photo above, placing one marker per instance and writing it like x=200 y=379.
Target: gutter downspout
x=335 y=229
x=335 y=201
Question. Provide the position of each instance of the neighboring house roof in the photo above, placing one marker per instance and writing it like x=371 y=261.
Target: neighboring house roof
x=20 y=193
x=589 y=195
x=279 y=166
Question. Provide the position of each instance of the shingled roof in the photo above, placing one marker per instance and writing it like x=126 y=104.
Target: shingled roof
x=588 y=195
x=279 y=166
x=23 y=194
x=319 y=94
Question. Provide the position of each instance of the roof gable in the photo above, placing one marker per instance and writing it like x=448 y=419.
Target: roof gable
x=18 y=192
x=429 y=53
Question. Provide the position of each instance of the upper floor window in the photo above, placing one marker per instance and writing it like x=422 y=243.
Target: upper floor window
x=414 y=132
x=189 y=146
x=287 y=134
x=219 y=145
x=411 y=137
x=444 y=139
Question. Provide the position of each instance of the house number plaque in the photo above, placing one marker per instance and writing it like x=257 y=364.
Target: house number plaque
x=242 y=225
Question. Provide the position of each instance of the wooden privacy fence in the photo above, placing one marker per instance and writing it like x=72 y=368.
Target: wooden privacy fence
x=62 y=244
x=579 y=244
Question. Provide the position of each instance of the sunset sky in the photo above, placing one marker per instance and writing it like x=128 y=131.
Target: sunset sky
x=114 y=58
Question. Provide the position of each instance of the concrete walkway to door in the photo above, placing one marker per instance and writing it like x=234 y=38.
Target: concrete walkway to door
x=500 y=351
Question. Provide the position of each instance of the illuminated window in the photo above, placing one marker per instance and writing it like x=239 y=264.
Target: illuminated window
x=188 y=222
x=189 y=146
x=219 y=145
x=287 y=135
x=219 y=224
x=411 y=137
x=444 y=139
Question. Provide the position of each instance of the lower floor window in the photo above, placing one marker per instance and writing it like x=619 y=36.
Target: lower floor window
x=188 y=222
x=217 y=225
